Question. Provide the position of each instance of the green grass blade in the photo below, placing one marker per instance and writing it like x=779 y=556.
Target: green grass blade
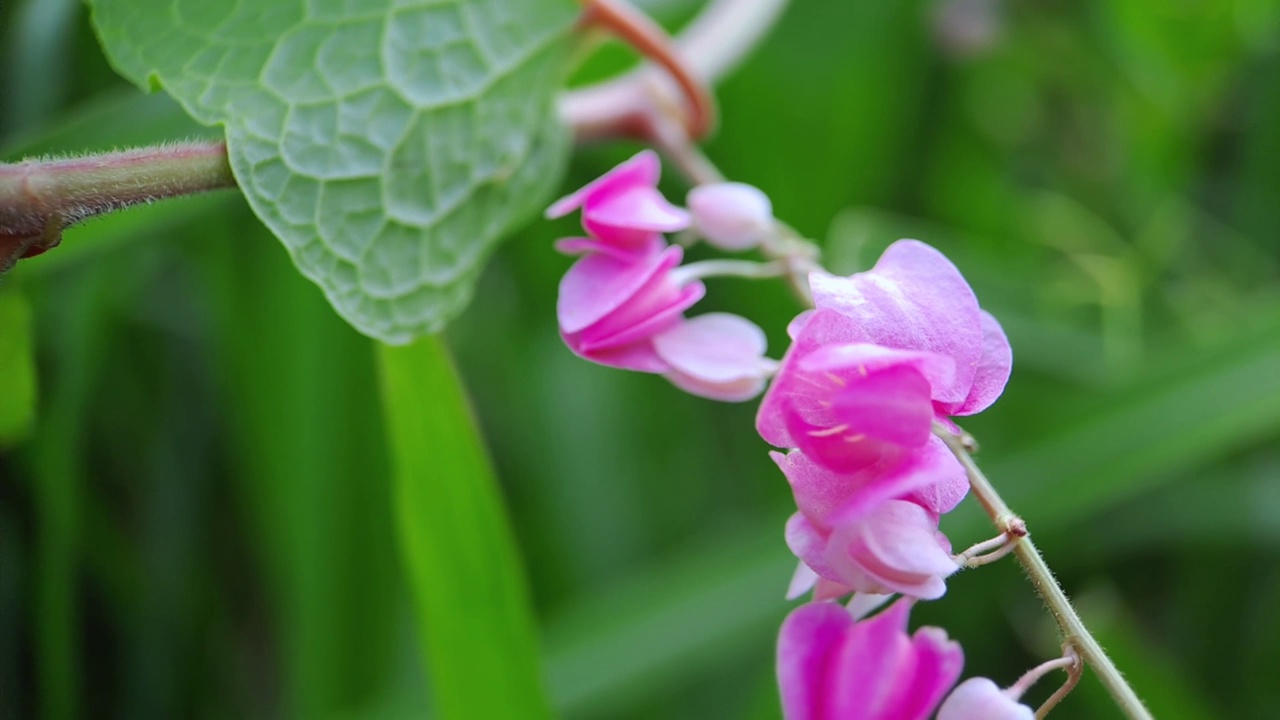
x=477 y=631
x=17 y=366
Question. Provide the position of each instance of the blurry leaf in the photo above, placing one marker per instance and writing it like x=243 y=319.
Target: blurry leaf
x=17 y=366
x=389 y=146
x=477 y=631
x=673 y=622
x=37 y=55
x=300 y=401
x=1168 y=692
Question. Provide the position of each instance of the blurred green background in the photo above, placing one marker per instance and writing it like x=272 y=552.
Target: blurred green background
x=197 y=520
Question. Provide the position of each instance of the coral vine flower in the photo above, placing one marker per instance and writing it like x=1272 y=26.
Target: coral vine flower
x=884 y=354
x=610 y=308
x=874 y=531
x=831 y=667
x=622 y=209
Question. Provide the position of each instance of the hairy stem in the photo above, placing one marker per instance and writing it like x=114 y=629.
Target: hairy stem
x=41 y=198
x=1074 y=632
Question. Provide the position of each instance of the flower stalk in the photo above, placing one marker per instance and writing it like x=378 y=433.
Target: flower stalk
x=1075 y=635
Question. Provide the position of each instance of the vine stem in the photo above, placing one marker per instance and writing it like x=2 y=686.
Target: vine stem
x=1073 y=629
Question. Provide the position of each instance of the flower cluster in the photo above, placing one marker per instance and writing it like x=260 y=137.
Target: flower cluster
x=884 y=357
x=874 y=373
x=622 y=304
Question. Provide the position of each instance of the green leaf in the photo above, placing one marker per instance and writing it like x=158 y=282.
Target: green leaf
x=17 y=366
x=388 y=143
x=477 y=629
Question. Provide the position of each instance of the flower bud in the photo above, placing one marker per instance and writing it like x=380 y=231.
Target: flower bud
x=980 y=699
x=731 y=215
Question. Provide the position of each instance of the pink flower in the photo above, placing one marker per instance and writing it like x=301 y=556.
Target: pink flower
x=894 y=547
x=915 y=299
x=981 y=699
x=850 y=405
x=610 y=307
x=731 y=215
x=622 y=209
x=831 y=667
x=717 y=355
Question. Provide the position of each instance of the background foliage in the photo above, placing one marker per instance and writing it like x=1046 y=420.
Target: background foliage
x=197 y=521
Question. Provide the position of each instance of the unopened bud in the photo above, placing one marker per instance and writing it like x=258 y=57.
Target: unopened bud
x=731 y=215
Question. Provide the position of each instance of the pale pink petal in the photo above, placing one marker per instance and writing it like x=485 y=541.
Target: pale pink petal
x=826 y=589
x=913 y=299
x=731 y=215
x=805 y=645
x=717 y=347
x=993 y=370
x=980 y=699
x=717 y=355
x=895 y=548
x=802 y=581
x=809 y=543
x=642 y=169
x=863 y=604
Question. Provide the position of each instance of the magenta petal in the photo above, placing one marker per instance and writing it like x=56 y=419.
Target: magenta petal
x=638 y=356
x=598 y=284
x=642 y=169
x=584 y=246
x=805 y=643
x=861 y=672
x=993 y=369
x=891 y=405
x=938 y=664
x=638 y=208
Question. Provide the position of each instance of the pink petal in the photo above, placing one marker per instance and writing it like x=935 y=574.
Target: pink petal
x=643 y=169
x=631 y=210
x=802 y=581
x=638 y=356
x=938 y=663
x=598 y=284
x=949 y=483
x=993 y=369
x=805 y=643
x=861 y=672
x=585 y=246
x=654 y=308
x=913 y=299
x=980 y=699
x=895 y=548
x=864 y=358
x=717 y=347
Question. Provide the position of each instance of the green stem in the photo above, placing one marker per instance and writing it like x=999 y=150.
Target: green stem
x=477 y=629
x=1073 y=629
x=40 y=198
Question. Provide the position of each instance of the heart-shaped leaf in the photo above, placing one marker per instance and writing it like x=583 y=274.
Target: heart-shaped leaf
x=388 y=143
